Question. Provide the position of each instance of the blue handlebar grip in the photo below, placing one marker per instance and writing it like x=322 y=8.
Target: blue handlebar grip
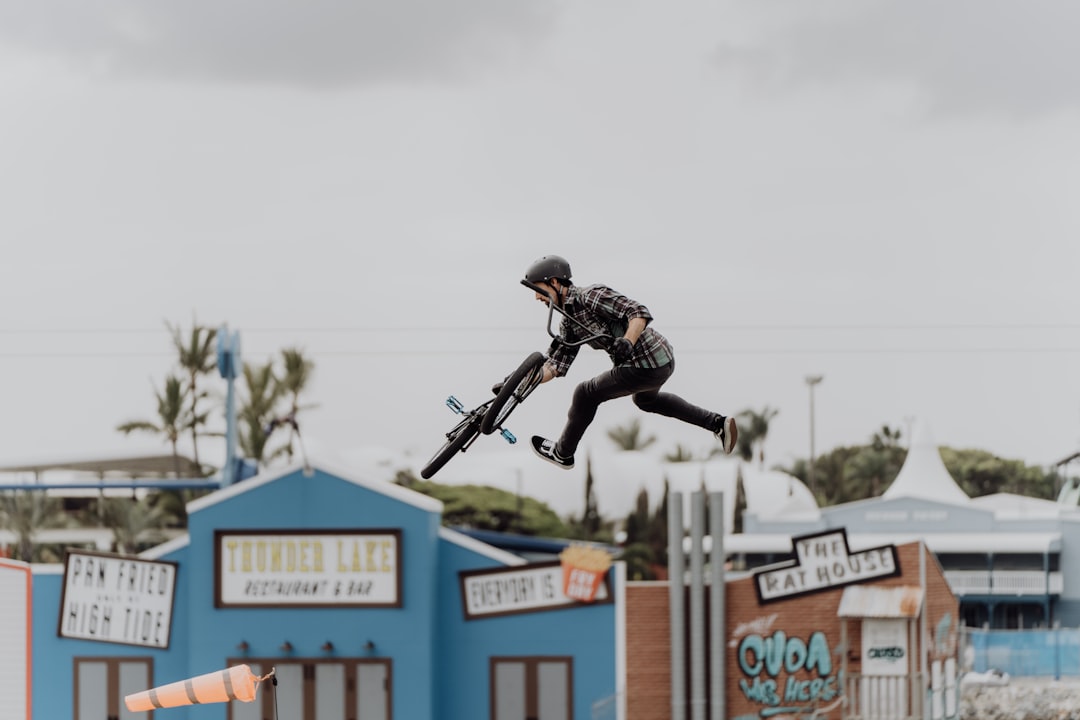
x=509 y=436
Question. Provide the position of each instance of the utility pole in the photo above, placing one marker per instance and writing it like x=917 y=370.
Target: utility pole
x=811 y=381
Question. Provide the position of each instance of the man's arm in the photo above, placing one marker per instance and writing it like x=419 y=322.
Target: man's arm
x=634 y=328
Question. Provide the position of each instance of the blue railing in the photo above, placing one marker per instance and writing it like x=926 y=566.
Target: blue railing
x=1024 y=653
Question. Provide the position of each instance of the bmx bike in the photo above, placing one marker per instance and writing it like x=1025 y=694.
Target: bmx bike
x=489 y=416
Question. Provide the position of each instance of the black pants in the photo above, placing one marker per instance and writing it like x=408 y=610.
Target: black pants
x=644 y=385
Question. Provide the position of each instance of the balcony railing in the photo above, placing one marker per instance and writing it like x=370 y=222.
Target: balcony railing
x=1004 y=582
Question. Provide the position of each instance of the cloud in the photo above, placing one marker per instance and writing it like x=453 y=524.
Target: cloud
x=987 y=56
x=313 y=43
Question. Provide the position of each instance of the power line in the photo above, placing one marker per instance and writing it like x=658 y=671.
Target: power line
x=78 y=354
x=727 y=327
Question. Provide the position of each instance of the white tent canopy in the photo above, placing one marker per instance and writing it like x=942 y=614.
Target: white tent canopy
x=924 y=474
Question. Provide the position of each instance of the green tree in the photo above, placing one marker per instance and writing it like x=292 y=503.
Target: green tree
x=679 y=454
x=197 y=358
x=753 y=430
x=172 y=418
x=657 y=535
x=978 y=473
x=858 y=472
x=639 y=561
x=876 y=465
x=294 y=381
x=257 y=411
x=487 y=508
x=25 y=513
x=740 y=501
x=134 y=522
x=637 y=552
x=590 y=520
x=628 y=437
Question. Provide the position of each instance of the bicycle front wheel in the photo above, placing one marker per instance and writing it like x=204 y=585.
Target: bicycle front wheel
x=518 y=386
x=456 y=440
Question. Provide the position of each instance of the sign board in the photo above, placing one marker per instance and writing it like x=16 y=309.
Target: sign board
x=15 y=638
x=884 y=646
x=823 y=561
x=317 y=568
x=117 y=598
x=521 y=589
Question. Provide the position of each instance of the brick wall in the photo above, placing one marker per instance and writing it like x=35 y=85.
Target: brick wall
x=811 y=619
x=648 y=651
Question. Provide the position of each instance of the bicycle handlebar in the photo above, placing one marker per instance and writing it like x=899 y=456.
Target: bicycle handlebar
x=552 y=309
x=533 y=286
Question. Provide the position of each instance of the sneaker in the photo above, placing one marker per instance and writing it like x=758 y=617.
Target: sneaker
x=728 y=434
x=546 y=449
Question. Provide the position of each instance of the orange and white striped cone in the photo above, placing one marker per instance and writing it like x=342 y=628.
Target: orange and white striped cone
x=235 y=683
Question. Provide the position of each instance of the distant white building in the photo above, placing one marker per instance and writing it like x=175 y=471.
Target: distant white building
x=1005 y=556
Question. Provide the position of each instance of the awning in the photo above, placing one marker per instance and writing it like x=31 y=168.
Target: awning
x=876 y=601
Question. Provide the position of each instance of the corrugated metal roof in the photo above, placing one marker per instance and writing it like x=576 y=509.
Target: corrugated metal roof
x=875 y=601
x=139 y=466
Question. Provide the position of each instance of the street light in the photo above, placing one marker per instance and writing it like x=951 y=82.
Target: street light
x=811 y=381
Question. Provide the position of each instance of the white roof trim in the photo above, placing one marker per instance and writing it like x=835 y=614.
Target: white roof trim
x=401 y=494
x=481 y=548
x=47 y=569
x=156 y=552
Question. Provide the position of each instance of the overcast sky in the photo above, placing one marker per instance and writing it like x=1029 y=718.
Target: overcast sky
x=883 y=193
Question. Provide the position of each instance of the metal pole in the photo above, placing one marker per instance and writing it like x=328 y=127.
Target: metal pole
x=716 y=606
x=924 y=649
x=811 y=381
x=675 y=597
x=228 y=362
x=697 y=605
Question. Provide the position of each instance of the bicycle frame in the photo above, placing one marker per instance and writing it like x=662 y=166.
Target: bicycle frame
x=552 y=309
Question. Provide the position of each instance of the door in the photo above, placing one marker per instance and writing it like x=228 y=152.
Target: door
x=531 y=688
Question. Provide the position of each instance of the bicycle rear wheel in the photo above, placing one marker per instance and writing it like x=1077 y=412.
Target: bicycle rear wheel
x=518 y=386
x=456 y=440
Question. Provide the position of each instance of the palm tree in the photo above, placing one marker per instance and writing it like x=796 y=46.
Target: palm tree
x=27 y=511
x=628 y=437
x=679 y=454
x=134 y=521
x=753 y=429
x=293 y=382
x=255 y=415
x=173 y=418
x=197 y=357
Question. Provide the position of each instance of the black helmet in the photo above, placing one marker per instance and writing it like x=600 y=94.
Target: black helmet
x=547 y=268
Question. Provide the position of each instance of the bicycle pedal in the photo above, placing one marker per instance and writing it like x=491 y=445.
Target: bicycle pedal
x=454 y=404
x=508 y=436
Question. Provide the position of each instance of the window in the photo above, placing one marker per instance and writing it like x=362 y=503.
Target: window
x=531 y=688
x=102 y=683
x=345 y=689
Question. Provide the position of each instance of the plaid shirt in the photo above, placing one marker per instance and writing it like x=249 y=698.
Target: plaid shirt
x=603 y=310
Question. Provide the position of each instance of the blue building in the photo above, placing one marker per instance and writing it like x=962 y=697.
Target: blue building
x=350 y=591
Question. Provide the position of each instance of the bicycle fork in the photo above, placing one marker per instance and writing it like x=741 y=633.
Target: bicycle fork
x=459 y=409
